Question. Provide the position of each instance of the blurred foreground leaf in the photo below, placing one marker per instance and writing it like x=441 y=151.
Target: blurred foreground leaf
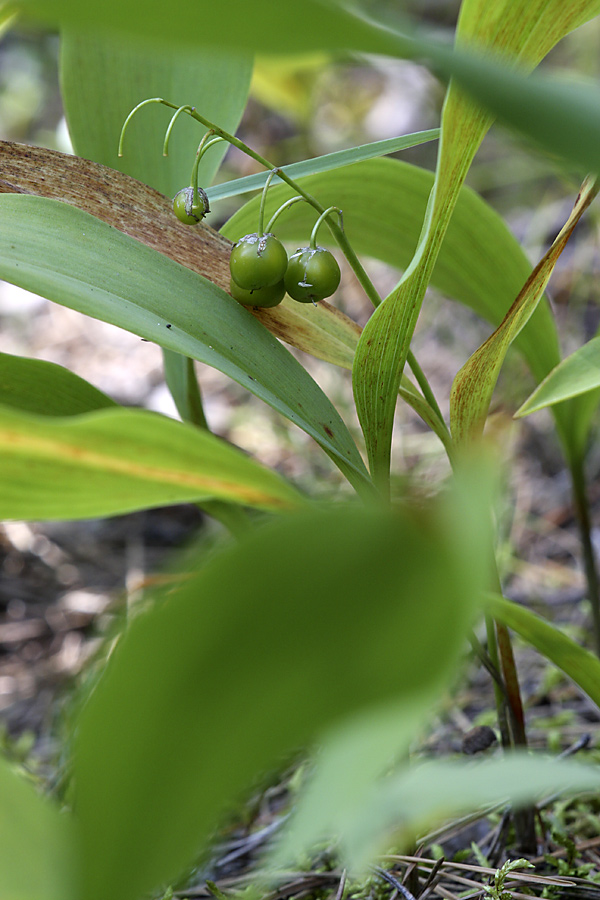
x=403 y=806
x=38 y=859
x=311 y=619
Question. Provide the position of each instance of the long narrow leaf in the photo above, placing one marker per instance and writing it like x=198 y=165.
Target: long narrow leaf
x=119 y=460
x=575 y=661
x=473 y=386
x=79 y=261
x=146 y=215
x=325 y=163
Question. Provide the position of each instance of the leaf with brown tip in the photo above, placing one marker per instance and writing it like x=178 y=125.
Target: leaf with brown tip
x=474 y=384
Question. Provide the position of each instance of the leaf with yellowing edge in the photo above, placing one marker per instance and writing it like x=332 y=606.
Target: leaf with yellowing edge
x=474 y=384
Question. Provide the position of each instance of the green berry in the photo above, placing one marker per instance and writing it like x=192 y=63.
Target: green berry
x=312 y=275
x=186 y=210
x=258 y=262
x=263 y=297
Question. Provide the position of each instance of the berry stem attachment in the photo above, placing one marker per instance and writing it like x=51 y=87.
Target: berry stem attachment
x=281 y=209
x=203 y=146
x=320 y=220
x=263 y=200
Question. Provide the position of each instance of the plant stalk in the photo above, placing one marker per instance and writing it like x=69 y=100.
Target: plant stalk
x=582 y=513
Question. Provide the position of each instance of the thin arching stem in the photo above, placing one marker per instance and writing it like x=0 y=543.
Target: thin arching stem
x=281 y=209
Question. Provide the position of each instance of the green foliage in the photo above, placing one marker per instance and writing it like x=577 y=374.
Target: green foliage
x=39 y=857
x=496 y=890
x=225 y=674
x=333 y=625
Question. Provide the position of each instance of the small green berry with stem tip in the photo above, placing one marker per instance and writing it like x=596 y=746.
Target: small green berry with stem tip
x=188 y=211
x=312 y=275
x=313 y=272
x=258 y=260
x=264 y=297
x=190 y=204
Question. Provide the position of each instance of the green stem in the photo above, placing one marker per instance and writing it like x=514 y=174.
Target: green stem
x=320 y=220
x=170 y=127
x=263 y=200
x=582 y=512
x=203 y=146
x=499 y=693
x=281 y=209
x=424 y=385
x=523 y=817
x=180 y=376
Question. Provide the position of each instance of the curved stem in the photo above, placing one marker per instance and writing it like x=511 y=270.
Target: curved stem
x=174 y=118
x=281 y=209
x=203 y=146
x=337 y=232
x=263 y=200
x=320 y=220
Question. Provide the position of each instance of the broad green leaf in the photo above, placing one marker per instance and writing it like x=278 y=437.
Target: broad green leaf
x=325 y=163
x=474 y=384
x=35 y=386
x=521 y=32
x=79 y=261
x=118 y=460
x=104 y=77
x=403 y=806
x=235 y=667
x=576 y=662
x=480 y=263
x=575 y=375
x=39 y=850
